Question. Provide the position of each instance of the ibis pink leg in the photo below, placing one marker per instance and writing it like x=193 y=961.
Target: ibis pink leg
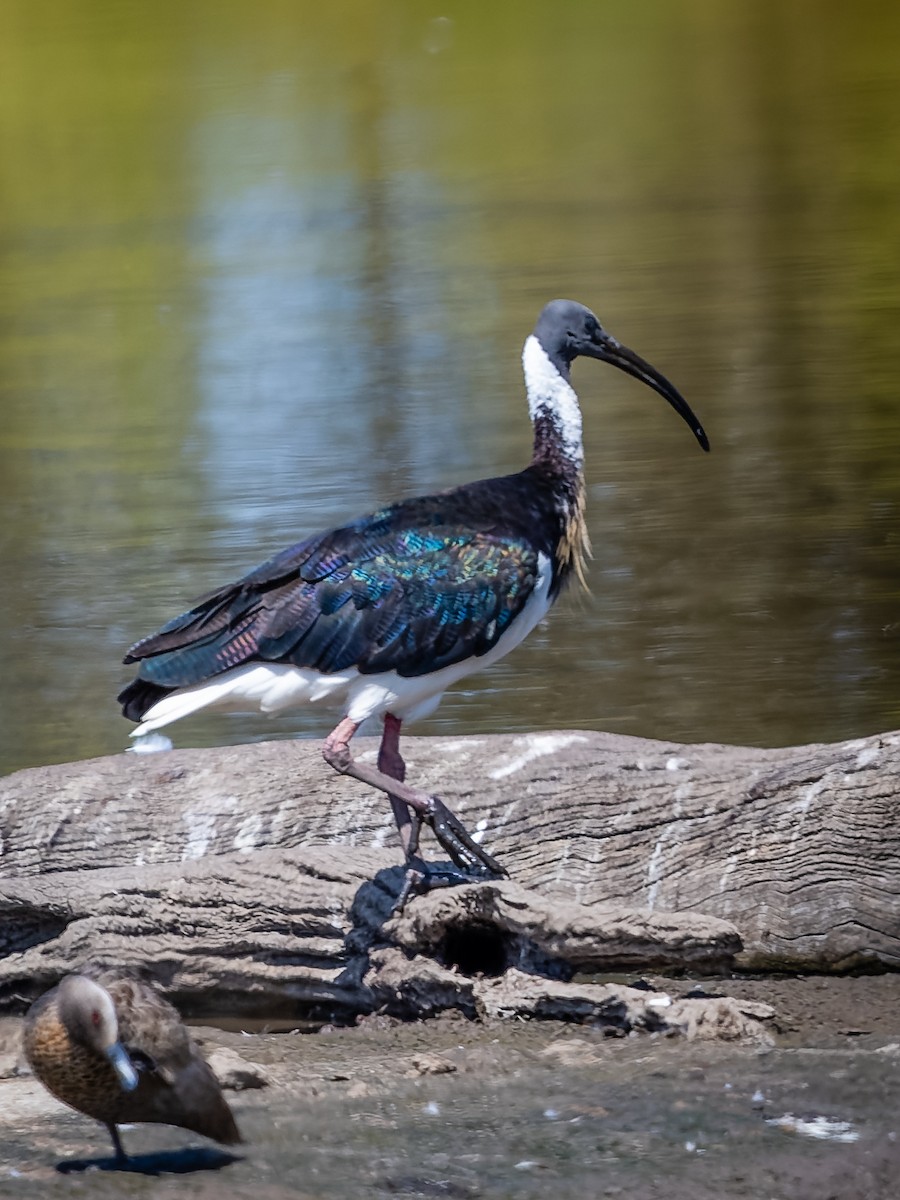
x=390 y=761
x=448 y=829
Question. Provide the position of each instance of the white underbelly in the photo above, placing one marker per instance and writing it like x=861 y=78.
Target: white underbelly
x=274 y=687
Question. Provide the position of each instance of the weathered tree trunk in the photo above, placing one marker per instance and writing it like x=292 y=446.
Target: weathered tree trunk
x=250 y=873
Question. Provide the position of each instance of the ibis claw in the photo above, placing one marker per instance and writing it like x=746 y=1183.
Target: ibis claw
x=459 y=844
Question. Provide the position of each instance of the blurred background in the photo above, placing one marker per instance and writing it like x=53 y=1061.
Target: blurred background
x=264 y=266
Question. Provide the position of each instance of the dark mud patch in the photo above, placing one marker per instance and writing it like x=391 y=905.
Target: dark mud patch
x=453 y=1108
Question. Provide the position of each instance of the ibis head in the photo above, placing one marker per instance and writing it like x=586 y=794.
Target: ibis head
x=567 y=329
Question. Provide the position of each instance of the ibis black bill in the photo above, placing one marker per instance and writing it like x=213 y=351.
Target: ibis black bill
x=607 y=349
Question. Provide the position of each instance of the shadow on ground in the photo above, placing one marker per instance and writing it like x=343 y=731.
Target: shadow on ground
x=173 y=1162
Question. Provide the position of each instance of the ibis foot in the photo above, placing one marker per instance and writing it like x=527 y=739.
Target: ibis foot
x=459 y=843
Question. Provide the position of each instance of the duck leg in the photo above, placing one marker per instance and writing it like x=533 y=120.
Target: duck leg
x=448 y=829
x=121 y=1156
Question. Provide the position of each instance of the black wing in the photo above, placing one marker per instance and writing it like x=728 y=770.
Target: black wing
x=385 y=593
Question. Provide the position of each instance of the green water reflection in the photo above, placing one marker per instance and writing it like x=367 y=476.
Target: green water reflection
x=265 y=266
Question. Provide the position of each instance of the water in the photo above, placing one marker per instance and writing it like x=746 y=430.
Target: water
x=267 y=266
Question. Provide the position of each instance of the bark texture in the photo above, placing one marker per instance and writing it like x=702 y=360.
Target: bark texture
x=253 y=879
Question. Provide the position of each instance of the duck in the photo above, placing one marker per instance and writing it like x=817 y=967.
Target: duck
x=112 y=1047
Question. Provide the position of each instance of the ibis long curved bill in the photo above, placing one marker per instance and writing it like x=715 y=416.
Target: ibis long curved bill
x=608 y=349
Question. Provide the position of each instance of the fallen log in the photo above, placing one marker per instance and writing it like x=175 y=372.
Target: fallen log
x=283 y=932
x=247 y=873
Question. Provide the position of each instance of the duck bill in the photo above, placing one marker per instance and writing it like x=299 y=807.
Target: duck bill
x=607 y=349
x=123 y=1066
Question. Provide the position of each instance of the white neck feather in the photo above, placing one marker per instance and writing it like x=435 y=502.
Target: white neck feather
x=548 y=390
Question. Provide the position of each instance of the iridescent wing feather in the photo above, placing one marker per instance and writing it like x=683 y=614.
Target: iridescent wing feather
x=378 y=595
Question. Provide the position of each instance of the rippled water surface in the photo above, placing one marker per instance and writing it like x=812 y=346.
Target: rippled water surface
x=263 y=267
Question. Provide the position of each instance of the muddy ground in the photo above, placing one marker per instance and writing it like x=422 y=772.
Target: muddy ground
x=449 y=1108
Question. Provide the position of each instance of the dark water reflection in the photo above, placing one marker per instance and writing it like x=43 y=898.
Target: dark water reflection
x=267 y=266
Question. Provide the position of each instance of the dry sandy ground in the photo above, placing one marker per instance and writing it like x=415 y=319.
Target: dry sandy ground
x=449 y=1108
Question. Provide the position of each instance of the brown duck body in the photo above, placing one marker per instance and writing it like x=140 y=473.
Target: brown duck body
x=176 y=1086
